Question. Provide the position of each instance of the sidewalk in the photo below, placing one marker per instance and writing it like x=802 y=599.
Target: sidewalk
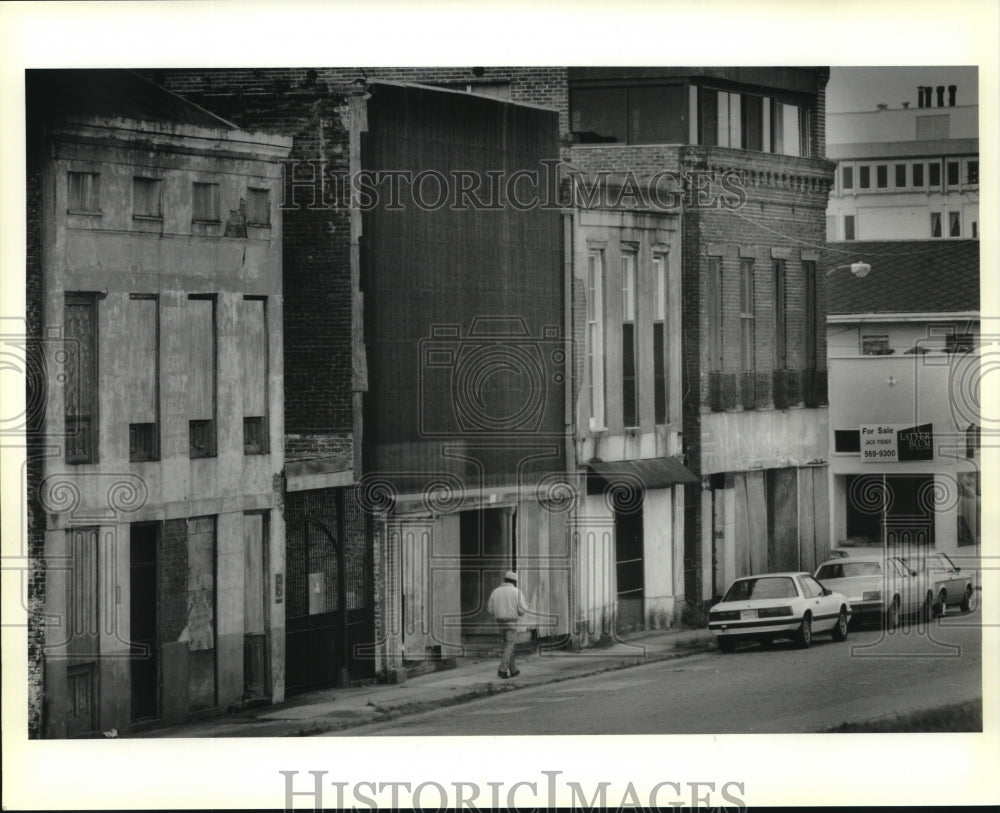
x=472 y=678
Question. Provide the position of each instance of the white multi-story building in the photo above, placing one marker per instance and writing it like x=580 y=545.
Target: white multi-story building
x=908 y=173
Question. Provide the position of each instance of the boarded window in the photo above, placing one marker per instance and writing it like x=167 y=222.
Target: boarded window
x=146 y=197
x=205 y=204
x=253 y=343
x=142 y=378
x=258 y=207
x=80 y=387
x=84 y=192
x=660 y=338
x=201 y=367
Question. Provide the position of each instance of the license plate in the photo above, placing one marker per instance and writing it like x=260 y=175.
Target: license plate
x=748 y=613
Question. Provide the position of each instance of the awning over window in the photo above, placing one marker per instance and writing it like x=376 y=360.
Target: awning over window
x=658 y=472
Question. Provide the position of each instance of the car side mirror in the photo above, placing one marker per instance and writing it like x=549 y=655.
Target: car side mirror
x=827 y=591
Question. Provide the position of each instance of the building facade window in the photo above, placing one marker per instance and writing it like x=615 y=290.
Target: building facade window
x=900 y=176
x=254 y=346
x=201 y=382
x=595 y=336
x=847 y=177
x=849 y=227
x=80 y=389
x=629 y=115
x=660 y=338
x=810 y=321
x=630 y=411
x=954 y=224
x=146 y=197
x=864 y=177
x=934 y=174
x=918 y=174
x=84 y=192
x=875 y=345
x=953 y=173
x=205 y=203
x=882 y=176
x=935 y=224
x=747 y=323
x=780 y=316
x=972 y=176
x=258 y=207
x=714 y=310
x=142 y=384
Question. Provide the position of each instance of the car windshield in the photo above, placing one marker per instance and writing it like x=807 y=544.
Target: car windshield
x=847 y=570
x=770 y=587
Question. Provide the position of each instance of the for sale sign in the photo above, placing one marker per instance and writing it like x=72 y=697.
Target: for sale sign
x=895 y=443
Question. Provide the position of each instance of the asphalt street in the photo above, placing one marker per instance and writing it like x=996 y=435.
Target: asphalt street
x=753 y=690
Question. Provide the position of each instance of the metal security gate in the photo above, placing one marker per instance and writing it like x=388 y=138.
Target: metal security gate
x=330 y=622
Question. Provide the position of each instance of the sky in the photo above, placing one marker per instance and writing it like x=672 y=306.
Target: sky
x=864 y=88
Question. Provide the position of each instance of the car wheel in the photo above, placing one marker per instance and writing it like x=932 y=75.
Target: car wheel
x=967 y=599
x=927 y=612
x=840 y=628
x=942 y=605
x=726 y=644
x=804 y=637
x=892 y=614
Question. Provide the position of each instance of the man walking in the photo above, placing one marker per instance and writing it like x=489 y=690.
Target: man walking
x=506 y=605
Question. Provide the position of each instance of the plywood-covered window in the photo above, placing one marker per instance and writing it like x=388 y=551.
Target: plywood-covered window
x=146 y=197
x=200 y=322
x=258 y=207
x=205 y=202
x=142 y=385
x=254 y=354
x=80 y=385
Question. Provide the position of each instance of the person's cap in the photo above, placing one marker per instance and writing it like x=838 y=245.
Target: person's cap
x=510 y=576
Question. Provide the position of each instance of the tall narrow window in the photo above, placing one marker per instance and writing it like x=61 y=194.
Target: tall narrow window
x=864 y=177
x=780 y=317
x=146 y=197
x=935 y=224
x=747 y=332
x=205 y=204
x=900 y=176
x=847 y=177
x=254 y=352
x=954 y=224
x=934 y=173
x=80 y=386
x=882 y=176
x=629 y=397
x=810 y=323
x=595 y=336
x=84 y=192
x=918 y=174
x=848 y=227
x=713 y=303
x=973 y=172
x=953 y=174
x=753 y=124
x=786 y=129
x=201 y=374
x=258 y=207
x=141 y=389
x=660 y=338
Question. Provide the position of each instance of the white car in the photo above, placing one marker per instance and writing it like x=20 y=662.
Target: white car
x=878 y=586
x=778 y=605
x=947 y=584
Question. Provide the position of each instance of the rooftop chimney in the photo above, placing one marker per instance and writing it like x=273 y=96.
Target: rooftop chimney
x=928 y=90
x=952 y=90
x=940 y=95
x=883 y=106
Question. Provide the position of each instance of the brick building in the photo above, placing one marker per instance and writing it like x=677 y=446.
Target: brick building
x=154 y=290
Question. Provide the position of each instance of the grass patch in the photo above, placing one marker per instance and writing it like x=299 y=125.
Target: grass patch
x=957 y=717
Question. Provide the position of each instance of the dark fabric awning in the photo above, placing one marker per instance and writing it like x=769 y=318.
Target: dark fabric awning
x=658 y=472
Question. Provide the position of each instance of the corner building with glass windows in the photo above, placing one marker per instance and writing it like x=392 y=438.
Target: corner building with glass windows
x=722 y=421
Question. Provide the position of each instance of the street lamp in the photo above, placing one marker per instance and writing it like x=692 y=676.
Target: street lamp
x=859 y=269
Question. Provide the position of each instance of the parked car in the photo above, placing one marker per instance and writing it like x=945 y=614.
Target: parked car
x=878 y=586
x=946 y=582
x=778 y=605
